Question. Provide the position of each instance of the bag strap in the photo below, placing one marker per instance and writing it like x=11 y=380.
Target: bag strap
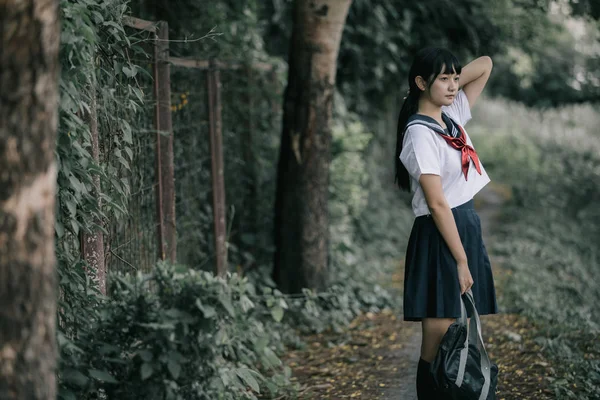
x=465 y=351
x=475 y=336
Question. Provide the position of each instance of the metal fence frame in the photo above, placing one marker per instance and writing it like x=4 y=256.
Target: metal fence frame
x=164 y=159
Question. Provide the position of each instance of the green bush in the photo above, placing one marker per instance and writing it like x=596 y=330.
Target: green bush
x=550 y=230
x=93 y=46
x=180 y=335
x=185 y=334
x=550 y=241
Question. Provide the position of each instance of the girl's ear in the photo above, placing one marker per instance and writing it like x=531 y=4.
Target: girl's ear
x=421 y=83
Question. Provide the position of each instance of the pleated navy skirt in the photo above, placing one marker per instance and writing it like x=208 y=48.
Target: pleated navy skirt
x=431 y=286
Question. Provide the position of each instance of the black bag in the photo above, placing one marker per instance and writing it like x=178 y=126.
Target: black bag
x=461 y=368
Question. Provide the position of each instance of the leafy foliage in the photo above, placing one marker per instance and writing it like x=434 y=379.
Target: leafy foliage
x=192 y=336
x=552 y=59
x=92 y=40
x=551 y=232
x=380 y=39
x=93 y=53
x=538 y=59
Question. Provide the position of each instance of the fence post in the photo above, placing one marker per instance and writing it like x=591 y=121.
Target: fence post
x=216 y=149
x=165 y=172
x=250 y=215
x=92 y=244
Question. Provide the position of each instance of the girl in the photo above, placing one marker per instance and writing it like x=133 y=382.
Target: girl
x=435 y=160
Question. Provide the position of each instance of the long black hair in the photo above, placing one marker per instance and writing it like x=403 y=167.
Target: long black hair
x=428 y=63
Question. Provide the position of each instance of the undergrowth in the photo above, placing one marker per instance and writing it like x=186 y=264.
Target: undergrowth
x=550 y=230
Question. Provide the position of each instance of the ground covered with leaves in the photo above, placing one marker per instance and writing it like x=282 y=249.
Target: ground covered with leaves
x=362 y=363
x=369 y=360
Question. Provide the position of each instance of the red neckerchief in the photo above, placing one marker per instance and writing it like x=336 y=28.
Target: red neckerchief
x=467 y=152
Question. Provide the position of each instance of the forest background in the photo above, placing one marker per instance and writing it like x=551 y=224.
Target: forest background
x=131 y=327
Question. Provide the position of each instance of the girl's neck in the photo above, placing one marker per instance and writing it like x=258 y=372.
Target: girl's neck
x=426 y=107
x=430 y=109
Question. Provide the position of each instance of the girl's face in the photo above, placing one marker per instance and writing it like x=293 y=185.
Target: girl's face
x=443 y=89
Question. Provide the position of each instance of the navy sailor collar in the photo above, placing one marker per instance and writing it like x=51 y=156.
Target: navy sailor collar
x=419 y=119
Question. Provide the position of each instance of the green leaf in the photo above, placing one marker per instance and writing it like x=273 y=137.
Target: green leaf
x=277 y=313
x=270 y=359
x=74 y=226
x=138 y=94
x=60 y=229
x=246 y=303
x=74 y=377
x=130 y=72
x=208 y=311
x=225 y=300
x=283 y=304
x=66 y=394
x=221 y=337
x=174 y=368
x=72 y=207
x=126 y=128
x=97 y=17
x=124 y=162
x=146 y=371
x=102 y=376
x=246 y=375
x=114 y=25
x=75 y=183
x=145 y=355
x=224 y=374
x=267 y=290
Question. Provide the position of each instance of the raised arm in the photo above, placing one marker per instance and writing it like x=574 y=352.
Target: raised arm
x=474 y=76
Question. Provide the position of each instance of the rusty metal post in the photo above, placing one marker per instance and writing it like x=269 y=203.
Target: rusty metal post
x=249 y=217
x=165 y=171
x=218 y=184
x=92 y=243
x=158 y=163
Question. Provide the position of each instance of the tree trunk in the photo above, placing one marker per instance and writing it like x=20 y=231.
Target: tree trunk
x=301 y=215
x=29 y=37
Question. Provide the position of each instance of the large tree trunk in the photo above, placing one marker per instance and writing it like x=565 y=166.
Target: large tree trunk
x=301 y=215
x=29 y=36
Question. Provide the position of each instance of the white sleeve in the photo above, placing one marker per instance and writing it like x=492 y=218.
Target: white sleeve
x=459 y=110
x=420 y=152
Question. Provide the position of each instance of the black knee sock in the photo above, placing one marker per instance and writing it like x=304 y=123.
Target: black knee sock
x=424 y=381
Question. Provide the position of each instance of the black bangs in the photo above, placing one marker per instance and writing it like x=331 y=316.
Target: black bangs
x=447 y=62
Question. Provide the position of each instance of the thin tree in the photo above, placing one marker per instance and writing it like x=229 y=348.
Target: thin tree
x=301 y=215
x=29 y=37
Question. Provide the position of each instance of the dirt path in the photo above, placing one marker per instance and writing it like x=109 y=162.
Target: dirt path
x=376 y=358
